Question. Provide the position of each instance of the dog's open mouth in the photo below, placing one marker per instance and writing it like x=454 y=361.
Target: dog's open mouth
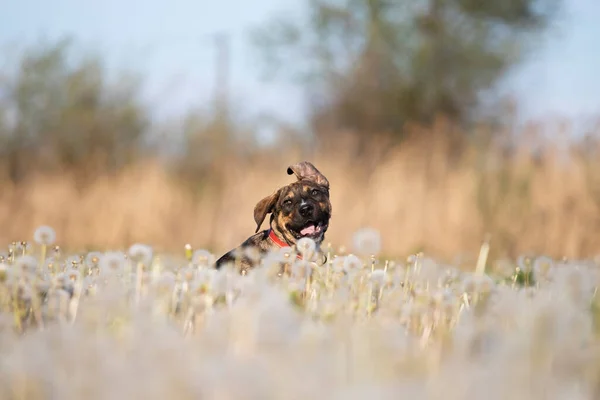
x=311 y=230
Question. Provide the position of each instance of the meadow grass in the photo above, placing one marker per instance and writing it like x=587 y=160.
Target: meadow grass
x=136 y=323
x=543 y=197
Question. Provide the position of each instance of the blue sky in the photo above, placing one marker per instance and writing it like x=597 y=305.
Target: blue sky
x=170 y=43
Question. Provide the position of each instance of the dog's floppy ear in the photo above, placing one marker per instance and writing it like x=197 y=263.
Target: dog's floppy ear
x=305 y=170
x=264 y=207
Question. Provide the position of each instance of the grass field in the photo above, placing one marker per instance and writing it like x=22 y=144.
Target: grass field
x=136 y=324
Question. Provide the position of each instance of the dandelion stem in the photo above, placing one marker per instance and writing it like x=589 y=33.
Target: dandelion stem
x=138 y=282
x=43 y=257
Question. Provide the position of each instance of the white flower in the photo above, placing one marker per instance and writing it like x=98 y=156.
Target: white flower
x=44 y=235
x=524 y=263
x=167 y=281
x=188 y=274
x=485 y=283
x=286 y=252
x=367 y=241
x=252 y=253
x=73 y=261
x=93 y=258
x=306 y=246
x=219 y=283
x=351 y=262
x=112 y=261
x=301 y=269
x=542 y=266
x=141 y=253
x=338 y=264
x=203 y=258
x=42 y=286
x=73 y=274
x=443 y=296
x=378 y=277
x=26 y=263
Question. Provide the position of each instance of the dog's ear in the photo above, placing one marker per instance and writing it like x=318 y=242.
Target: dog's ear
x=264 y=207
x=305 y=170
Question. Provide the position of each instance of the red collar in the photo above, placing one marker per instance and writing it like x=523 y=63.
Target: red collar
x=280 y=242
x=276 y=240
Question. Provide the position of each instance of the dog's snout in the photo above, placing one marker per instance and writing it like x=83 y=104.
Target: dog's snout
x=306 y=209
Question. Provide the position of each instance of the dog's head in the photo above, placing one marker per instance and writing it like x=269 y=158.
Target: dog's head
x=301 y=209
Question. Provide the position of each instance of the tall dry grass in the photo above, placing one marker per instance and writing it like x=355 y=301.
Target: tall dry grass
x=419 y=195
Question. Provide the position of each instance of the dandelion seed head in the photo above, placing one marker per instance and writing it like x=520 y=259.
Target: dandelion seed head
x=42 y=287
x=188 y=274
x=542 y=266
x=352 y=263
x=301 y=268
x=306 y=246
x=273 y=262
x=252 y=253
x=166 y=281
x=72 y=261
x=219 y=283
x=26 y=292
x=73 y=274
x=367 y=241
x=525 y=263
x=27 y=264
x=112 y=262
x=338 y=264
x=44 y=235
x=286 y=252
x=469 y=284
x=483 y=283
x=140 y=253
x=203 y=258
x=378 y=277
x=93 y=258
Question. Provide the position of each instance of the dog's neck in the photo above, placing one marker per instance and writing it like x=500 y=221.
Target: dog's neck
x=273 y=236
x=280 y=239
x=279 y=242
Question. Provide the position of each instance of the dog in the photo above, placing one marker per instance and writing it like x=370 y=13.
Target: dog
x=300 y=209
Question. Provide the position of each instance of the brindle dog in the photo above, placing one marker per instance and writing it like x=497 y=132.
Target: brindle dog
x=301 y=209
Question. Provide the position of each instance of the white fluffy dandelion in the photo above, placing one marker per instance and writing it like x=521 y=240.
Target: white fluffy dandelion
x=93 y=258
x=338 y=264
x=112 y=262
x=203 y=258
x=27 y=264
x=352 y=263
x=306 y=246
x=166 y=281
x=72 y=274
x=140 y=253
x=367 y=241
x=44 y=235
x=378 y=277
x=542 y=266
x=301 y=269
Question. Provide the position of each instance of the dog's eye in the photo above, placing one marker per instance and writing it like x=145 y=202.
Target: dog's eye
x=314 y=192
x=287 y=202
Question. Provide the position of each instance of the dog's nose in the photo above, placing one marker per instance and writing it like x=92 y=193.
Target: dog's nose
x=306 y=209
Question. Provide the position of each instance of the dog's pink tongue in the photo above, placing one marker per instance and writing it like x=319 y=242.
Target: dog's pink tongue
x=309 y=230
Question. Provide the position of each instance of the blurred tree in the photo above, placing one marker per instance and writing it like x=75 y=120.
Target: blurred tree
x=374 y=65
x=67 y=114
